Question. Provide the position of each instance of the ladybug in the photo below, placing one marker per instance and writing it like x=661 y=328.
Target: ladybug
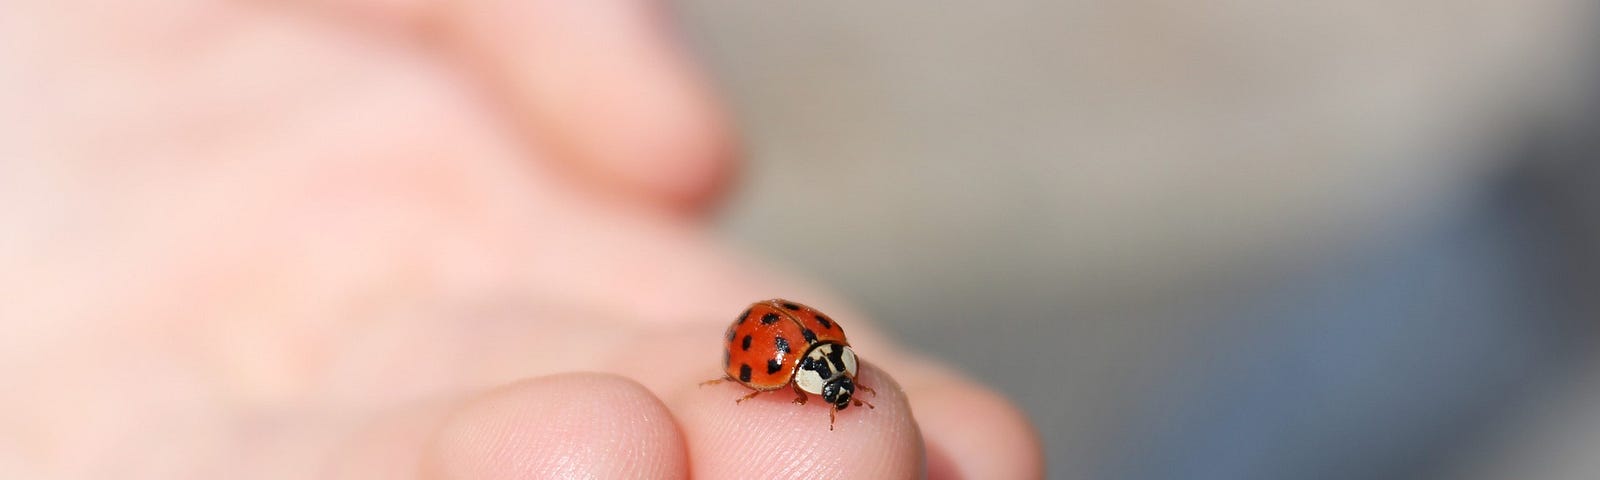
x=778 y=343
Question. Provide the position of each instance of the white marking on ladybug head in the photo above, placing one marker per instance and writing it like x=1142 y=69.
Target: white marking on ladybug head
x=809 y=381
x=824 y=364
x=849 y=358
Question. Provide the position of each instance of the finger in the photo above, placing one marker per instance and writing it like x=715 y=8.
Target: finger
x=603 y=87
x=582 y=425
x=770 y=437
x=971 y=432
x=606 y=89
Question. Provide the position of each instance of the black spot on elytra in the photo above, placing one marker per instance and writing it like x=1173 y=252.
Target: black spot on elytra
x=826 y=324
x=811 y=337
x=790 y=306
x=744 y=372
x=773 y=366
x=769 y=319
x=732 y=333
x=783 y=344
x=744 y=316
x=745 y=344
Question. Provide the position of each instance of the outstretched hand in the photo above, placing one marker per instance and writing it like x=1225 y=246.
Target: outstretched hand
x=375 y=239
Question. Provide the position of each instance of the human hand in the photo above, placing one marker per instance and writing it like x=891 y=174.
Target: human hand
x=366 y=239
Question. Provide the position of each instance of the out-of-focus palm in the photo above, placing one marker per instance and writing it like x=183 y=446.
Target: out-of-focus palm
x=237 y=235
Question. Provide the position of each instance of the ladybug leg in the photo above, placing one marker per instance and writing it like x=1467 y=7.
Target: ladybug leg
x=867 y=389
x=713 y=382
x=858 y=403
x=747 y=397
x=831 y=413
x=799 y=395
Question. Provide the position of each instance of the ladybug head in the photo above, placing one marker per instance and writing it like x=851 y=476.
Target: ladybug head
x=829 y=369
x=839 y=391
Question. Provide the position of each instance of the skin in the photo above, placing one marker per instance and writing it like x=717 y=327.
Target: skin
x=403 y=239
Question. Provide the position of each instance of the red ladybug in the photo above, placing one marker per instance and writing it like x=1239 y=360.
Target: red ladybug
x=777 y=343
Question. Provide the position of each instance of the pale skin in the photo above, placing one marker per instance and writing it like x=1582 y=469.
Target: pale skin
x=403 y=239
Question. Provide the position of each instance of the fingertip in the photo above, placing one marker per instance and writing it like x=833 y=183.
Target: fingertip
x=583 y=425
x=973 y=432
x=770 y=436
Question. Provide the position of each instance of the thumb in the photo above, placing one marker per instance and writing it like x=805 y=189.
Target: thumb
x=580 y=425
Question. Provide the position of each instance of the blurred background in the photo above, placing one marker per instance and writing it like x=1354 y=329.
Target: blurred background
x=1229 y=240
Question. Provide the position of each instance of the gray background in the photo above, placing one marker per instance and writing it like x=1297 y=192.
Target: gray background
x=1058 y=196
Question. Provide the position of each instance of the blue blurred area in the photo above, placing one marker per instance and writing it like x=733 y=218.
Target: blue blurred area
x=1393 y=361
x=1075 y=203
